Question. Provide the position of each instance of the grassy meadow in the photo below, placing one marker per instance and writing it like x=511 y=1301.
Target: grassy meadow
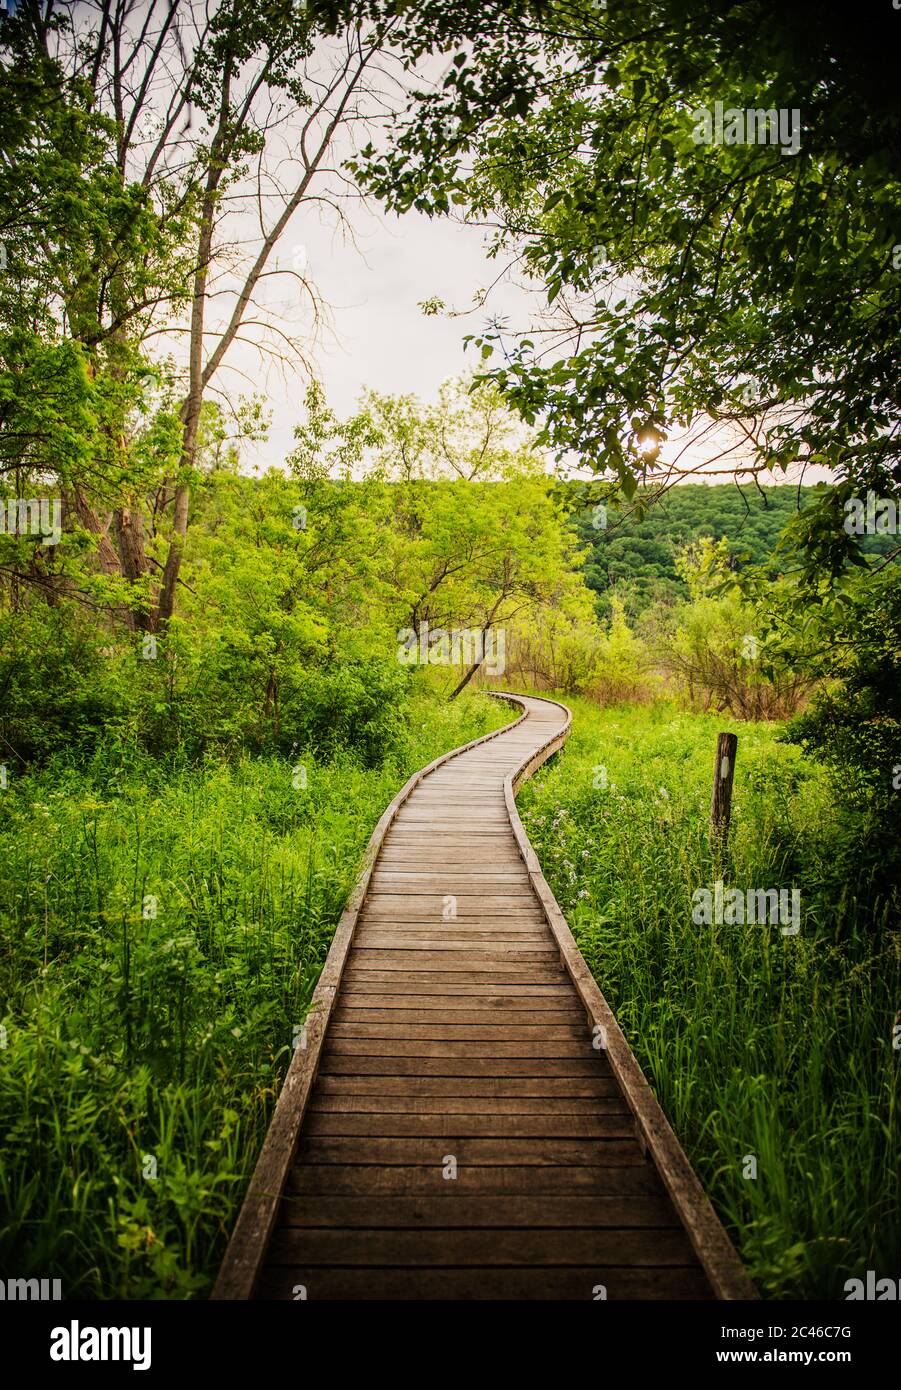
x=162 y=931
x=756 y=1044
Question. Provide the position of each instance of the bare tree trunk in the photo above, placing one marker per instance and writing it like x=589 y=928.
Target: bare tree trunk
x=476 y=666
x=190 y=414
x=200 y=373
x=166 y=606
x=75 y=499
x=132 y=555
x=466 y=679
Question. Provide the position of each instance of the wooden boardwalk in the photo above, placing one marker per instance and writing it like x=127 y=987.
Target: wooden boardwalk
x=465 y=1119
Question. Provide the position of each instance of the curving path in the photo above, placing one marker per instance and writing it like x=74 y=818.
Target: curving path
x=464 y=1118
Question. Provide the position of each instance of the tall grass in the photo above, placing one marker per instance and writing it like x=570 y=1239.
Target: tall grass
x=757 y=1044
x=162 y=929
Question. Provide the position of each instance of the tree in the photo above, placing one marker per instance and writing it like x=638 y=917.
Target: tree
x=748 y=284
x=168 y=124
x=474 y=537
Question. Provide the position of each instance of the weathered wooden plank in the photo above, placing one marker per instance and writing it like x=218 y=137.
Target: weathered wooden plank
x=472 y=950
x=462 y=785
x=533 y=1152
x=462 y=793
x=476 y=921
x=446 y=974
x=475 y=861
x=467 y=820
x=512 y=884
x=468 y=1088
x=350 y=1063
x=463 y=806
x=374 y=1181
x=416 y=868
x=431 y=906
x=483 y=846
x=350 y=1124
x=467 y=910
x=351 y=1012
x=453 y=1208
x=447 y=1048
x=473 y=927
x=536 y=946
x=630 y=1246
x=463 y=928
x=460 y=833
x=441 y=1030
x=525 y=996
x=500 y=962
x=463 y=824
x=409 y=936
x=347 y=1103
x=498 y=1002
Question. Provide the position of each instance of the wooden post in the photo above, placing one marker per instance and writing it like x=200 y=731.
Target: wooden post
x=721 y=803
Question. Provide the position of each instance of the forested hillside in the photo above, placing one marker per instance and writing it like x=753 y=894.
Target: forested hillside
x=636 y=553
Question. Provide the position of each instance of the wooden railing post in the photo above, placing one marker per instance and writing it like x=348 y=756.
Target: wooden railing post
x=721 y=803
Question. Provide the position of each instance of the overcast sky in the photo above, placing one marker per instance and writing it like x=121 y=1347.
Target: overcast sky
x=378 y=336
x=374 y=275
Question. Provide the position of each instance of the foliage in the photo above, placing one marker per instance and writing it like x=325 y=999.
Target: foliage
x=163 y=928
x=714 y=647
x=633 y=551
x=755 y=1043
x=854 y=725
x=721 y=278
x=715 y=657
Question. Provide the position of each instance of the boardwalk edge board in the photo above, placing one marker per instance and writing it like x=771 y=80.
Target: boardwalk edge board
x=246 y=1250
x=720 y=1260
x=242 y=1269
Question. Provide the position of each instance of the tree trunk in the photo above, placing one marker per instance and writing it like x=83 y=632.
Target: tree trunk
x=475 y=667
x=132 y=555
x=467 y=678
x=166 y=605
x=489 y=623
x=106 y=553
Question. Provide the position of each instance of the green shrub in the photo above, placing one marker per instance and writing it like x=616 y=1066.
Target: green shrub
x=755 y=1043
x=162 y=928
